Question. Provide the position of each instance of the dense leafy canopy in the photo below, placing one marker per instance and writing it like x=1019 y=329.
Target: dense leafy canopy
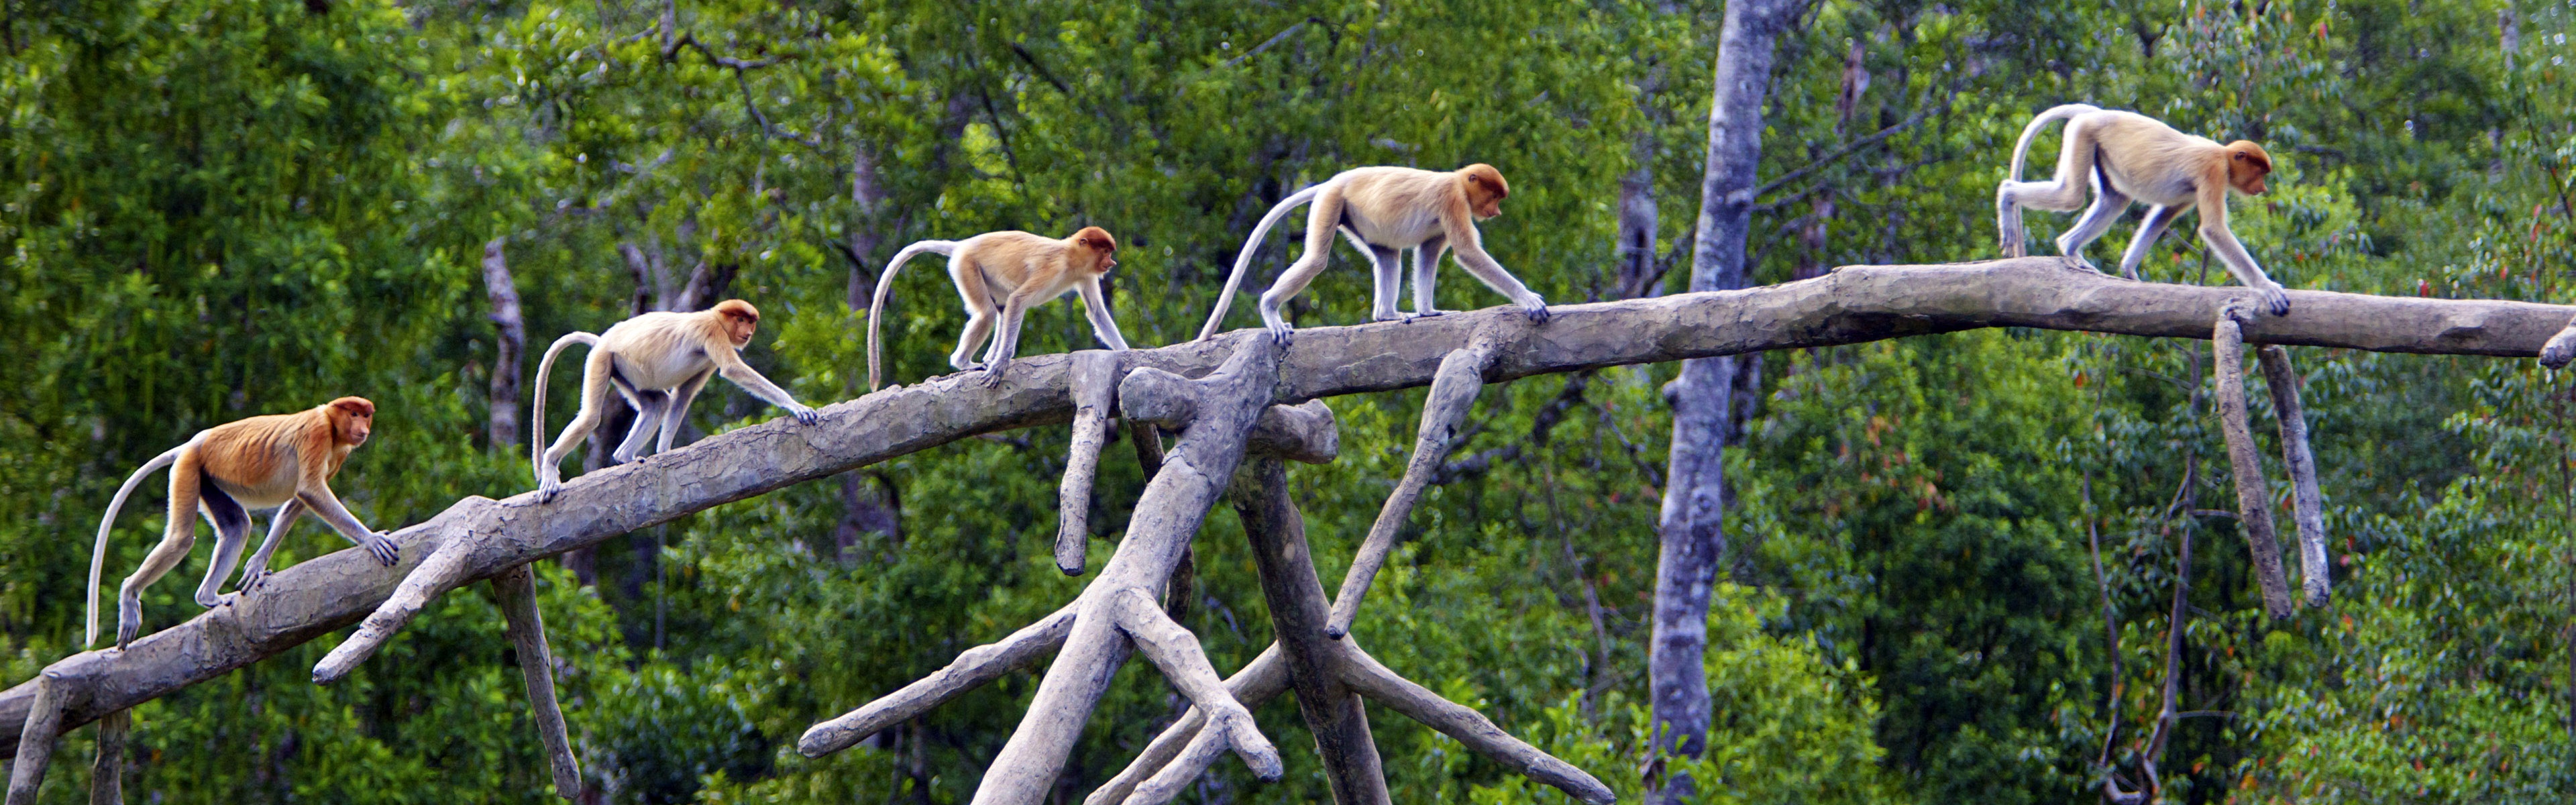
x=218 y=208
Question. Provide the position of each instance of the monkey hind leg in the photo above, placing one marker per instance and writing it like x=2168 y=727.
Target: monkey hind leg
x=2009 y=235
x=2108 y=204
x=979 y=325
x=232 y=534
x=187 y=475
x=1386 y=273
x=650 y=407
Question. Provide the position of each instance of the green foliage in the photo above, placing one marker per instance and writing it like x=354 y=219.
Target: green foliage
x=219 y=208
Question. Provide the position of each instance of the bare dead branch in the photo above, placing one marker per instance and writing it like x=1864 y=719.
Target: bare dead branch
x=107 y=772
x=2315 y=577
x=1453 y=391
x=516 y=591
x=1094 y=377
x=1176 y=653
x=1298 y=613
x=971 y=670
x=1851 y=305
x=2253 y=496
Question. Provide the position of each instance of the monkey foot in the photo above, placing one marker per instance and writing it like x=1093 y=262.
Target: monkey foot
x=2277 y=299
x=993 y=375
x=1425 y=314
x=1537 y=313
x=1282 y=333
x=548 y=489
x=385 y=551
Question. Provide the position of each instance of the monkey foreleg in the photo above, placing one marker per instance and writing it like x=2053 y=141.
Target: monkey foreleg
x=255 y=572
x=232 y=534
x=1386 y=270
x=2159 y=219
x=1426 y=276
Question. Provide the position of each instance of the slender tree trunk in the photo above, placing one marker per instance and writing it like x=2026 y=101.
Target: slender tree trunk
x=1637 y=220
x=513 y=341
x=863 y=510
x=1694 y=497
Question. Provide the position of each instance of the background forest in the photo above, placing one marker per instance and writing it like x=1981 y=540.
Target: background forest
x=219 y=208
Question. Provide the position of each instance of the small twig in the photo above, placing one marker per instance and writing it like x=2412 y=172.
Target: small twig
x=1032 y=60
x=1273 y=40
x=1920 y=114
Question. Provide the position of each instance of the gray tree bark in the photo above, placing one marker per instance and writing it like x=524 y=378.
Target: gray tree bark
x=1694 y=505
x=509 y=346
x=2315 y=576
x=479 y=538
x=2245 y=462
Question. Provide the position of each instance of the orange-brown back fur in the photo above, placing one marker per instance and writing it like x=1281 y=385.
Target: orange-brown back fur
x=263 y=460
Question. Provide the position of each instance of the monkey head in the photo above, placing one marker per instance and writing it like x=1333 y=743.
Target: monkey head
x=1485 y=189
x=1100 y=245
x=352 y=418
x=739 y=319
x=2247 y=164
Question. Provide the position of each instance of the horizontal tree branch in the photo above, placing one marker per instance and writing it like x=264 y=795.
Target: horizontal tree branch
x=1851 y=305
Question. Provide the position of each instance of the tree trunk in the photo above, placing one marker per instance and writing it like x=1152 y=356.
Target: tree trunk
x=1637 y=219
x=513 y=341
x=1694 y=497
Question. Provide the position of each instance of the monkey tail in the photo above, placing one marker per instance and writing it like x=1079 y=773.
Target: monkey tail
x=98 y=554
x=885 y=287
x=1251 y=245
x=2062 y=112
x=537 y=417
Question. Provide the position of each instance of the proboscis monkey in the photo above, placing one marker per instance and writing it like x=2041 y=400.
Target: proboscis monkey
x=2127 y=156
x=283 y=460
x=1001 y=275
x=1382 y=210
x=657 y=361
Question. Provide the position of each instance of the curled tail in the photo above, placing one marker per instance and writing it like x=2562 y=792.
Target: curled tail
x=885 y=286
x=537 y=417
x=1251 y=245
x=98 y=553
x=2062 y=112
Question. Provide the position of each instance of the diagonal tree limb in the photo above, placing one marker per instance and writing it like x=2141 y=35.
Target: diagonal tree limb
x=444 y=570
x=36 y=739
x=971 y=670
x=1094 y=378
x=2253 y=497
x=1204 y=747
x=1176 y=652
x=1453 y=392
x=1215 y=416
x=1326 y=672
x=107 y=772
x=1469 y=727
x=1259 y=681
x=1333 y=713
x=1851 y=305
x=2315 y=577
x=516 y=591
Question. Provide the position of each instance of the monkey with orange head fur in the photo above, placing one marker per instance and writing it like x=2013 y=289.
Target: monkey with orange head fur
x=1000 y=275
x=658 y=361
x=1382 y=211
x=284 y=460
x=2127 y=156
